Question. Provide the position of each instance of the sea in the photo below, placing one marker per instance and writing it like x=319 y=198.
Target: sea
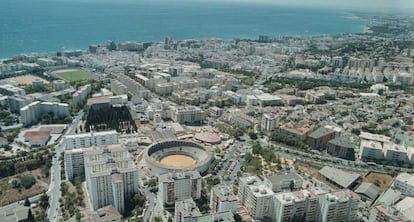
x=53 y=25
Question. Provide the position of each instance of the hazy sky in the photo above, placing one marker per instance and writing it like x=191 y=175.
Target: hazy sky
x=404 y=4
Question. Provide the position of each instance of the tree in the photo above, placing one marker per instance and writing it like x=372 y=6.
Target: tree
x=157 y=219
x=30 y=217
x=27 y=202
x=27 y=181
x=44 y=201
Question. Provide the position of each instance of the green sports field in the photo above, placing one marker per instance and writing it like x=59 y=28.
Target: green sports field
x=74 y=76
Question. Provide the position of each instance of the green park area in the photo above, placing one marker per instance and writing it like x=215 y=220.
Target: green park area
x=74 y=76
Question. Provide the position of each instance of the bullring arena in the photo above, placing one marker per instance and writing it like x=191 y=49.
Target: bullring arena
x=177 y=155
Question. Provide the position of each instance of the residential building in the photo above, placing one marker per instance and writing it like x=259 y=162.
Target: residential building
x=105 y=214
x=320 y=137
x=285 y=181
x=111 y=176
x=179 y=186
x=90 y=139
x=58 y=85
x=301 y=205
x=80 y=96
x=256 y=197
x=404 y=182
x=74 y=162
x=395 y=153
x=269 y=122
x=17 y=102
x=37 y=84
x=342 y=147
x=338 y=206
x=371 y=150
x=222 y=199
x=188 y=115
x=10 y=90
x=32 y=113
x=186 y=211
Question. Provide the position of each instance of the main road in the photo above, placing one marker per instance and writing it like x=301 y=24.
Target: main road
x=54 y=187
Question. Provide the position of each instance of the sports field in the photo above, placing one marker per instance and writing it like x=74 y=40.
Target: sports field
x=73 y=75
x=178 y=160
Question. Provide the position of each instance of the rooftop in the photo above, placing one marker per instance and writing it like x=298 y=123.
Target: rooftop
x=342 y=178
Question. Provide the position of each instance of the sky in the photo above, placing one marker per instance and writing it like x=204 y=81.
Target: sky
x=385 y=4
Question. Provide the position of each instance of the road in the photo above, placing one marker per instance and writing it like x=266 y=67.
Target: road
x=54 y=187
x=150 y=201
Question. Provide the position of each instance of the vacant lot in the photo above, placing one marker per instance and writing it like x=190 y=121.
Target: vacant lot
x=383 y=180
x=24 y=80
x=73 y=75
x=9 y=195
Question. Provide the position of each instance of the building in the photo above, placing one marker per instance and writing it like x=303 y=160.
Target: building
x=105 y=214
x=58 y=85
x=37 y=138
x=269 y=100
x=404 y=182
x=371 y=150
x=339 y=177
x=10 y=90
x=38 y=84
x=395 y=153
x=216 y=217
x=320 y=137
x=256 y=197
x=338 y=206
x=18 y=213
x=269 y=122
x=368 y=190
x=301 y=205
x=118 y=88
x=342 y=147
x=74 y=162
x=186 y=211
x=17 y=102
x=401 y=211
x=3 y=141
x=32 y=113
x=222 y=199
x=188 y=115
x=284 y=181
x=90 y=139
x=179 y=186
x=80 y=96
x=111 y=176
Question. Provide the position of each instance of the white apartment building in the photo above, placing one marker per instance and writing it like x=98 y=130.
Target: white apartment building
x=79 y=97
x=111 y=176
x=395 y=153
x=90 y=139
x=186 y=211
x=299 y=205
x=179 y=186
x=269 y=122
x=371 y=150
x=74 y=162
x=222 y=199
x=404 y=182
x=256 y=197
x=58 y=85
x=31 y=113
x=11 y=90
x=188 y=114
x=338 y=206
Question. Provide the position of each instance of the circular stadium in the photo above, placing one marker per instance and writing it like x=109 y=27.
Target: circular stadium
x=177 y=155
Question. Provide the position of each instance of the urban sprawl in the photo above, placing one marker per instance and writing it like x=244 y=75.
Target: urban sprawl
x=313 y=128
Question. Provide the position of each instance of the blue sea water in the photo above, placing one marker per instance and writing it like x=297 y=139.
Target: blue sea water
x=50 y=25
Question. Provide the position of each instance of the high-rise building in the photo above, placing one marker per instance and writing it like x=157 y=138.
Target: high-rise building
x=10 y=90
x=58 y=85
x=76 y=146
x=404 y=182
x=256 y=197
x=17 y=102
x=269 y=122
x=90 y=139
x=111 y=176
x=34 y=111
x=222 y=199
x=338 y=206
x=79 y=97
x=188 y=115
x=299 y=205
x=179 y=186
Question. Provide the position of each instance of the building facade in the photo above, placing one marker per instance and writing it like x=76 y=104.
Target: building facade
x=179 y=186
